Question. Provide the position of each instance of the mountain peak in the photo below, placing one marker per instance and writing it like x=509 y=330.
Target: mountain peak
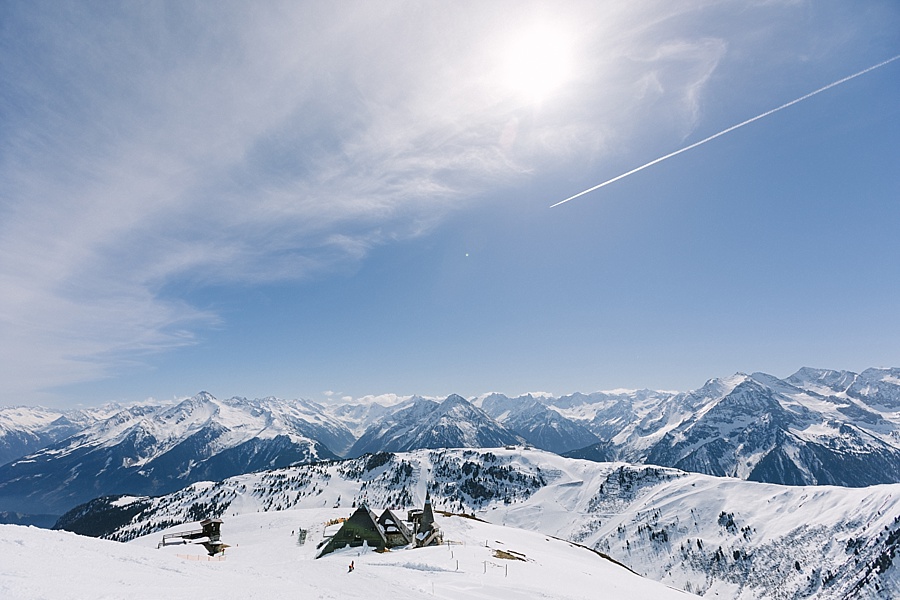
x=455 y=399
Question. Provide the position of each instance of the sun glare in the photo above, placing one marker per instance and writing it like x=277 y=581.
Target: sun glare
x=537 y=62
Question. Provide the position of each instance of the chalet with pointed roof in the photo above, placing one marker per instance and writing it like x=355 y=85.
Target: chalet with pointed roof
x=360 y=529
x=386 y=531
x=395 y=530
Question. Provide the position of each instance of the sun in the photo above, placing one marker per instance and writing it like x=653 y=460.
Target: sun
x=537 y=62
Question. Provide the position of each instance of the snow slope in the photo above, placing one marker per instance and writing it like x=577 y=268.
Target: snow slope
x=718 y=537
x=265 y=562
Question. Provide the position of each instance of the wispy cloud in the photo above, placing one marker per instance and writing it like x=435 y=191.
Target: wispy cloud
x=145 y=144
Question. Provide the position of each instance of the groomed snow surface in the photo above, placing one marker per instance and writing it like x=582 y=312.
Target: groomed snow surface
x=264 y=561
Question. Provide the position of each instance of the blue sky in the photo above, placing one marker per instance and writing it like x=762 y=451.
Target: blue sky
x=313 y=200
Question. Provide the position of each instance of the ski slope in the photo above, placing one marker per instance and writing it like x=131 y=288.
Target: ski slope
x=265 y=562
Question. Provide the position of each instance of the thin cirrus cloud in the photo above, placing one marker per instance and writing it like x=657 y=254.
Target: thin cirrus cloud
x=236 y=144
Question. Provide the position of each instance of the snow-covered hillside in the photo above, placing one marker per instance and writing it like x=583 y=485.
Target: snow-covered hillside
x=719 y=537
x=264 y=561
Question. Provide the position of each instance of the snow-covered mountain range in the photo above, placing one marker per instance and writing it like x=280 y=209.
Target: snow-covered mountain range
x=158 y=449
x=712 y=536
x=453 y=423
x=814 y=427
x=540 y=423
x=26 y=429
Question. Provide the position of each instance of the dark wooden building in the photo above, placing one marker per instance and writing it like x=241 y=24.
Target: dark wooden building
x=361 y=528
x=209 y=534
x=395 y=530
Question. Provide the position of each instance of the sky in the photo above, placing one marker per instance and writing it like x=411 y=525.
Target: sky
x=331 y=200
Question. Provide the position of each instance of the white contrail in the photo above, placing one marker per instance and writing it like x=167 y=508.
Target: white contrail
x=723 y=132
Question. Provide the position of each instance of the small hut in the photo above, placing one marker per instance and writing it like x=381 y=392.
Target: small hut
x=212 y=528
x=209 y=534
x=361 y=528
x=395 y=530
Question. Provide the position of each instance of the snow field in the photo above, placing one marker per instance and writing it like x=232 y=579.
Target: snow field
x=264 y=562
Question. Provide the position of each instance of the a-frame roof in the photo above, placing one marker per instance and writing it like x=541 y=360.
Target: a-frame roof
x=394 y=526
x=361 y=528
